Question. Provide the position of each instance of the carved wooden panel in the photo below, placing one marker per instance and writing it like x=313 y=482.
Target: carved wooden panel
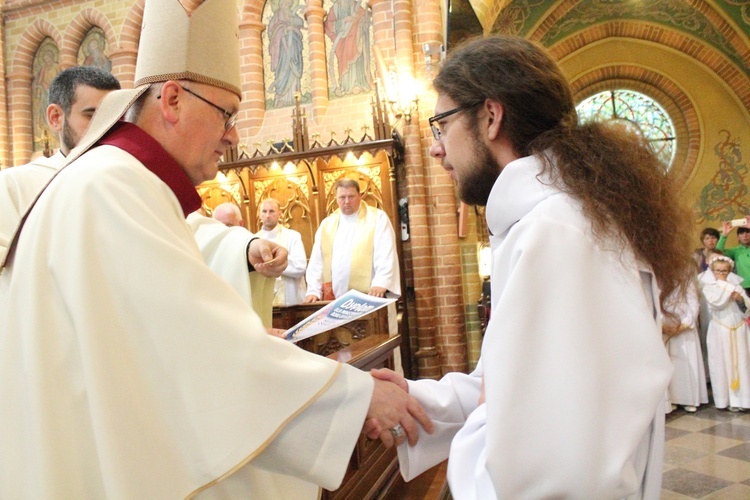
x=214 y=193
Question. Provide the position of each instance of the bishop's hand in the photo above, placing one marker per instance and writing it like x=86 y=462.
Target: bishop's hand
x=268 y=258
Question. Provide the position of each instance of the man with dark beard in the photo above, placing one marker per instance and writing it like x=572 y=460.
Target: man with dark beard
x=588 y=238
x=74 y=95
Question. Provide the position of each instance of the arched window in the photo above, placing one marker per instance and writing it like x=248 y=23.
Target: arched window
x=637 y=112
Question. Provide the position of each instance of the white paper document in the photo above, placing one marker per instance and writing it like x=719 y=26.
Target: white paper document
x=350 y=306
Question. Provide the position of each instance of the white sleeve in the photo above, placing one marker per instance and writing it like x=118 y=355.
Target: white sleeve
x=448 y=403
x=297 y=258
x=385 y=271
x=307 y=448
x=719 y=293
x=314 y=274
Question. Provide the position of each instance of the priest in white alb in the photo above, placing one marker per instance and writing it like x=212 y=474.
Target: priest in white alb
x=355 y=248
x=290 y=286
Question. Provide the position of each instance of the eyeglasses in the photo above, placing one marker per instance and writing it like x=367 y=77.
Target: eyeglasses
x=436 y=132
x=231 y=117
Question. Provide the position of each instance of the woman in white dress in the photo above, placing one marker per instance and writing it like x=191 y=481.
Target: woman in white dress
x=728 y=355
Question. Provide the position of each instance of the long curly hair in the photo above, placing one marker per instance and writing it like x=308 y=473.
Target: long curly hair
x=625 y=190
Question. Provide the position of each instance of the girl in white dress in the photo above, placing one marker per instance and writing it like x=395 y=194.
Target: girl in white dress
x=728 y=355
x=688 y=385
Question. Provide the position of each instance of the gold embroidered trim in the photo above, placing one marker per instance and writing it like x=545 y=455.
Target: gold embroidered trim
x=187 y=75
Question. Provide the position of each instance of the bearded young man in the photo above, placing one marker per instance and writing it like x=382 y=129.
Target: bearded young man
x=74 y=95
x=588 y=238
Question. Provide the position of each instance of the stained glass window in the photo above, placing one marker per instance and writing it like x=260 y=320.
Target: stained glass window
x=637 y=112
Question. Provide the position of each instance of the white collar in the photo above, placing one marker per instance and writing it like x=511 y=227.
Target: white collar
x=517 y=190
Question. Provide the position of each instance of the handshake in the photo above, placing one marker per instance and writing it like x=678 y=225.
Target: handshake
x=394 y=416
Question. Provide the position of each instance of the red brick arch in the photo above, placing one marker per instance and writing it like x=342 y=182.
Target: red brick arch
x=663 y=90
x=19 y=86
x=29 y=43
x=76 y=31
x=126 y=53
x=252 y=10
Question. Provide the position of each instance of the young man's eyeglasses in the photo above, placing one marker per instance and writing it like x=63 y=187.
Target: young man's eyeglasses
x=231 y=117
x=436 y=132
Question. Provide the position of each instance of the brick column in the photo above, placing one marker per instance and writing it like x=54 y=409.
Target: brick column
x=123 y=64
x=5 y=158
x=19 y=86
x=447 y=278
x=317 y=52
x=251 y=68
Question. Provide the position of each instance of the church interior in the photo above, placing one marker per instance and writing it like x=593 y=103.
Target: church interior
x=320 y=105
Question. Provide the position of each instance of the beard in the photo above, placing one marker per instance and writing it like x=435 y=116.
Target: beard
x=69 y=138
x=475 y=187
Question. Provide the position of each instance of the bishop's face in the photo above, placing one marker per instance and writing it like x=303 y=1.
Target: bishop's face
x=206 y=137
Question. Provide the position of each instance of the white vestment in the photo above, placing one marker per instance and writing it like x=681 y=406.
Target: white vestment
x=573 y=363
x=385 y=271
x=134 y=371
x=19 y=186
x=290 y=286
x=727 y=340
x=225 y=251
x=688 y=385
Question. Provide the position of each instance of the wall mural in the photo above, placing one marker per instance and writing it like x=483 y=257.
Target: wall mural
x=285 y=49
x=45 y=67
x=725 y=197
x=519 y=17
x=348 y=27
x=93 y=50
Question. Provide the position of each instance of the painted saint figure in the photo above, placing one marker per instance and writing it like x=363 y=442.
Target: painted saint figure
x=95 y=55
x=348 y=26
x=285 y=47
x=46 y=69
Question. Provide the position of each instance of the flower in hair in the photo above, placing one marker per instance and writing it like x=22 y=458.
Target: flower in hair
x=720 y=257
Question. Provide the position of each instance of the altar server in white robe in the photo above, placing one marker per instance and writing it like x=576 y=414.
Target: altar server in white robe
x=567 y=400
x=74 y=95
x=135 y=371
x=354 y=248
x=727 y=340
x=688 y=385
x=290 y=286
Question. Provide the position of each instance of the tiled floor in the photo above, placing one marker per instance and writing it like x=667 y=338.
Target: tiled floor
x=707 y=455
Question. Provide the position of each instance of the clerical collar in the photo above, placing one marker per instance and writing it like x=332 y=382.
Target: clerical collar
x=152 y=155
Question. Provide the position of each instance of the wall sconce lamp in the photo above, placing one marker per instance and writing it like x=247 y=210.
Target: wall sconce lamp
x=402 y=95
x=404 y=110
